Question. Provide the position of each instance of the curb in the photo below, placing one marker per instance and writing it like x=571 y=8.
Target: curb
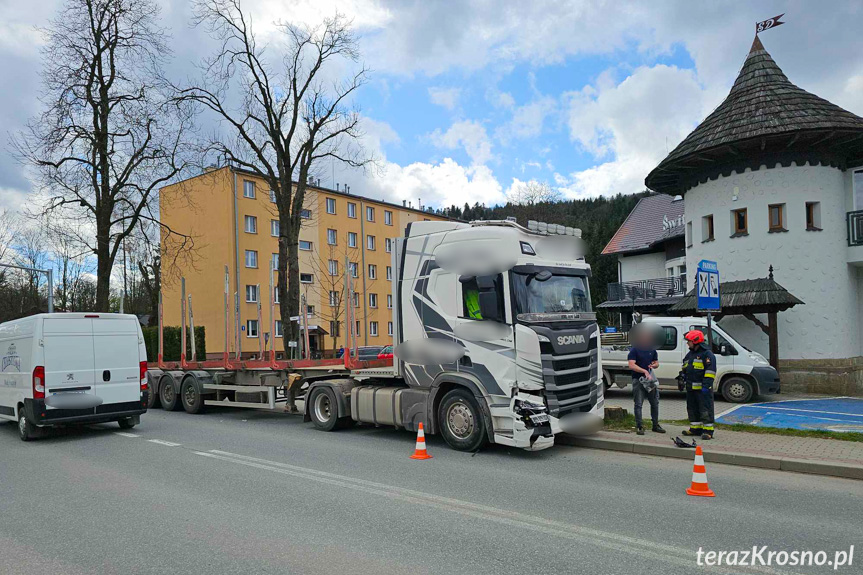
x=832 y=469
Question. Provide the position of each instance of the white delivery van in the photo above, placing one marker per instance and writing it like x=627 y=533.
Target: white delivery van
x=72 y=368
x=741 y=374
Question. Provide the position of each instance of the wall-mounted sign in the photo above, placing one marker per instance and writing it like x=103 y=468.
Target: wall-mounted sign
x=668 y=224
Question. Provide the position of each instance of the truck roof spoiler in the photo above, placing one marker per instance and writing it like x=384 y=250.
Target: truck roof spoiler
x=533 y=227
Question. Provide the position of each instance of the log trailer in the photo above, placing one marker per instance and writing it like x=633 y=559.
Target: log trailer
x=495 y=341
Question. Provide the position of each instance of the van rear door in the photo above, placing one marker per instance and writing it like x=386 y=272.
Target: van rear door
x=117 y=361
x=68 y=344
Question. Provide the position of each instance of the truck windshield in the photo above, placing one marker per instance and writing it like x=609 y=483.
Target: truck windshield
x=543 y=292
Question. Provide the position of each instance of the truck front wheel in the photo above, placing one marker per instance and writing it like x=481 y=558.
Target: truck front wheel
x=461 y=422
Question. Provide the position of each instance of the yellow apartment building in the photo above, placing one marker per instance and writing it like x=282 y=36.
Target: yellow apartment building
x=231 y=218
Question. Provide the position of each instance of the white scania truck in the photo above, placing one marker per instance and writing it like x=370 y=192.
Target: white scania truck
x=495 y=341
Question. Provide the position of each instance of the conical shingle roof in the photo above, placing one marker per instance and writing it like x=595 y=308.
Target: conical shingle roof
x=764 y=119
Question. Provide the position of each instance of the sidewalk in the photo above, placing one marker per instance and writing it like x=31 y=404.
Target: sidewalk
x=800 y=454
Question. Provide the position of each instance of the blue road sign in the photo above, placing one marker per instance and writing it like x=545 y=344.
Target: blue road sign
x=707 y=286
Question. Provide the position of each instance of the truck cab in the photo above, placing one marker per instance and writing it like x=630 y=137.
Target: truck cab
x=741 y=374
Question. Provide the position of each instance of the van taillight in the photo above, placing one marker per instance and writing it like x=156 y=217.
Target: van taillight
x=39 y=382
x=143 y=376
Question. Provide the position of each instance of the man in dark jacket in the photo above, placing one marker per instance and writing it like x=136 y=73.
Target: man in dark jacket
x=699 y=373
x=642 y=359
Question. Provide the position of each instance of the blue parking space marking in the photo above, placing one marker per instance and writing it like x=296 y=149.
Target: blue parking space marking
x=829 y=414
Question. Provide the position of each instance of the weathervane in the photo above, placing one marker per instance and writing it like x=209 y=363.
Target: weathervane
x=768 y=24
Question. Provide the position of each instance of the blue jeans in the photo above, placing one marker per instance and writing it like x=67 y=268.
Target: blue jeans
x=638 y=394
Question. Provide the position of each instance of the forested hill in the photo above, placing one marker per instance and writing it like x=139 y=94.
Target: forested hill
x=598 y=219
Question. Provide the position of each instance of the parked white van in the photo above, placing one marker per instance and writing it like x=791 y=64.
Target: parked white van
x=72 y=368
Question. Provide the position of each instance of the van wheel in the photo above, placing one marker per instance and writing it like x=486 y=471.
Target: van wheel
x=126 y=423
x=168 y=397
x=26 y=430
x=737 y=390
x=323 y=409
x=190 y=394
x=461 y=422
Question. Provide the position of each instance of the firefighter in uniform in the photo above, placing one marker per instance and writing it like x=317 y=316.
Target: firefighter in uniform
x=699 y=373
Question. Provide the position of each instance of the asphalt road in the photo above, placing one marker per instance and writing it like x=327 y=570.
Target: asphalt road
x=255 y=492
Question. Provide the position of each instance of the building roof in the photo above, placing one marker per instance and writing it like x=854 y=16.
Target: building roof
x=654 y=220
x=765 y=119
x=760 y=295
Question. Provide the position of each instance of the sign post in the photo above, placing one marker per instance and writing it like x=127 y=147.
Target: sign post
x=707 y=290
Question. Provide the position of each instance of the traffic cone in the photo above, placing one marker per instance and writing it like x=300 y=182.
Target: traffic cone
x=699 y=477
x=420 y=451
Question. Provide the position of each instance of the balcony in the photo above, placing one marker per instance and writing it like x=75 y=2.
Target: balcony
x=855 y=228
x=650 y=289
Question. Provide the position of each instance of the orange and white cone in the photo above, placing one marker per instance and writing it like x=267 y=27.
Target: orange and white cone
x=420 y=452
x=699 y=477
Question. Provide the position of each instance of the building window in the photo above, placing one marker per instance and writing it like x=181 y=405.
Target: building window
x=370 y=243
x=370 y=214
x=310 y=310
x=332 y=237
x=739 y=223
x=707 y=228
x=273 y=196
x=333 y=266
x=251 y=224
x=373 y=300
x=352 y=239
x=278 y=328
x=776 y=215
x=334 y=298
x=356 y=298
x=389 y=273
x=388 y=217
x=252 y=328
x=354 y=269
x=305 y=246
x=251 y=294
x=388 y=245
x=389 y=301
x=331 y=205
x=276 y=299
x=248 y=189
x=813 y=216
x=306 y=214
x=306 y=278
x=389 y=328
x=251 y=259
x=373 y=272
x=373 y=328
x=274 y=262
x=274 y=228
x=352 y=210
x=357 y=332
x=334 y=328
x=689 y=234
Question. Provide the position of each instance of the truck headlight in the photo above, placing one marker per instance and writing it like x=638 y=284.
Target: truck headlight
x=542 y=338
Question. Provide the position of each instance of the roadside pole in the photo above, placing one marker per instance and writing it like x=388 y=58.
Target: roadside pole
x=707 y=294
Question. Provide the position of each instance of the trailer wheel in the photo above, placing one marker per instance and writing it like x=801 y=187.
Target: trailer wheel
x=461 y=422
x=168 y=397
x=323 y=409
x=737 y=390
x=190 y=394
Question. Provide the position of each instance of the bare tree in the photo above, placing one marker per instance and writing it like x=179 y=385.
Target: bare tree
x=533 y=192
x=71 y=267
x=110 y=134
x=284 y=115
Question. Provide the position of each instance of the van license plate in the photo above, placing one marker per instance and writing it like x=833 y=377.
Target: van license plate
x=539 y=418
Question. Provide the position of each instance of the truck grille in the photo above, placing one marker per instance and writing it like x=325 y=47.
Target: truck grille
x=571 y=381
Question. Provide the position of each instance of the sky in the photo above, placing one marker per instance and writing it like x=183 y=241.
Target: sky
x=467 y=100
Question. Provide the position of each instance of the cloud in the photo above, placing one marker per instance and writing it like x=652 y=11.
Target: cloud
x=445 y=97
x=632 y=126
x=469 y=135
x=527 y=121
x=442 y=184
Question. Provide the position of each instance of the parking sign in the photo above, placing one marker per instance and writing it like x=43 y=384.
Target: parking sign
x=707 y=286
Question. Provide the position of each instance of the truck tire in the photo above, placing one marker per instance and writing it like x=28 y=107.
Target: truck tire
x=153 y=394
x=126 y=423
x=737 y=389
x=461 y=421
x=26 y=430
x=168 y=397
x=190 y=395
x=323 y=409
x=607 y=380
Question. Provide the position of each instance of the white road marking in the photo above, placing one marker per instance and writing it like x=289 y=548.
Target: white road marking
x=124 y=434
x=811 y=411
x=613 y=541
x=161 y=442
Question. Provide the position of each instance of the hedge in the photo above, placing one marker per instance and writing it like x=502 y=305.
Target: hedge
x=171 y=344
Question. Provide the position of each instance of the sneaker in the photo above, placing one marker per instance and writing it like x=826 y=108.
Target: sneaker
x=640 y=431
x=658 y=429
x=706 y=436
